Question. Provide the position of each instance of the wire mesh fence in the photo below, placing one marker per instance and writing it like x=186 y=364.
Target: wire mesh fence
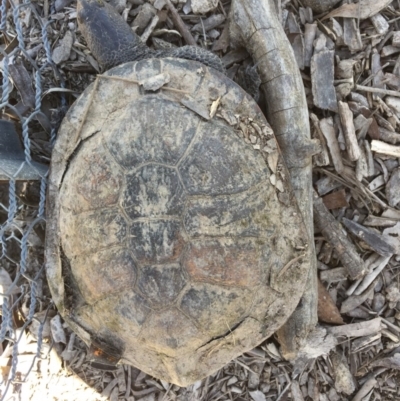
x=27 y=130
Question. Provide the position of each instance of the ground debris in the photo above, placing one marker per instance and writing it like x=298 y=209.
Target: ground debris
x=351 y=74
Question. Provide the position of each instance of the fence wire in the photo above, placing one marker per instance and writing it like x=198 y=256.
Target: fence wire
x=26 y=68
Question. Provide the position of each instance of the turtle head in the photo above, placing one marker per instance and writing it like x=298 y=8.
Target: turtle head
x=107 y=35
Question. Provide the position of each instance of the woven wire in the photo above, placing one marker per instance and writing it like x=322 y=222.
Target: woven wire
x=14 y=230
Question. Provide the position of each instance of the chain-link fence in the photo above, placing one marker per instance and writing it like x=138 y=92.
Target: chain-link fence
x=27 y=130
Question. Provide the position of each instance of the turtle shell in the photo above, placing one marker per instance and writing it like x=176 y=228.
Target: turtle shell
x=173 y=235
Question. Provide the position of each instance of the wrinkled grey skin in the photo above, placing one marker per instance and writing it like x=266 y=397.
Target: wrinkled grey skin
x=112 y=41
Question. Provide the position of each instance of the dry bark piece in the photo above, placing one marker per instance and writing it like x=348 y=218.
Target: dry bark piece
x=361 y=329
x=203 y=6
x=380 y=24
x=310 y=30
x=333 y=275
x=363 y=9
x=333 y=232
x=57 y=331
x=375 y=240
x=23 y=81
x=327 y=309
x=209 y=23
x=328 y=130
x=346 y=118
x=144 y=17
x=385 y=148
x=322 y=76
x=365 y=389
x=392 y=362
x=344 y=380
x=354 y=301
x=63 y=50
x=295 y=36
x=320 y=6
x=322 y=158
x=351 y=35
x=392 y=189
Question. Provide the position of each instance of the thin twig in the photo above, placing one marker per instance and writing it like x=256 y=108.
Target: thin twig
x=176 y=18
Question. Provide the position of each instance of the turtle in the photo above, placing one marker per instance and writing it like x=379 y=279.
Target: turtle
x=174 y=242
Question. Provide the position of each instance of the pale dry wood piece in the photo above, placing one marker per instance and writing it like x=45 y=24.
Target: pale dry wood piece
x=375 y=241
x=389 y=50
x=380 y=24
x=296 y=39
x=322 y=158
x=346 y=118
x=344 y=380
x=396 y=38
x=392 y=80
x=333 y=232
x=376 y=221
x=394 y=104
x=361 y=125
x=322 y=77
x=288 y=114
x=354 y=301
x=203 y=6
x=375 y=268
x=366 y=388
x=383 y=123
x=376 y=183
x=63 y=50
x=389 y=136
x=361 y=329
x=351 y=35
x=310 y=31
x=392 y=362
x=180 y=25
x=326 y=184
x=209 y=23
x=385 y=149
x=392 y=189
x=361 y=165
x=328 y=130
x=149 y=29
x=376 y=71
x=360 y=344
x=363 y=88
x=362 y=10
x=143 y=18
x=297 y=395
x=333 y=275
x=370 y=159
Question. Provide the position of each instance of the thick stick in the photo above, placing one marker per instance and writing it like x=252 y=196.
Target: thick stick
x=254 y=24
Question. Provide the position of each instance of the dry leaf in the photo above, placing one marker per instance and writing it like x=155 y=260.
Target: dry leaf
x=327 y=310
x=362 y=10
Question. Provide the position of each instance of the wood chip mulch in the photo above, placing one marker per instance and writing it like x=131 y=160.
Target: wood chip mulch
x=349 y=59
